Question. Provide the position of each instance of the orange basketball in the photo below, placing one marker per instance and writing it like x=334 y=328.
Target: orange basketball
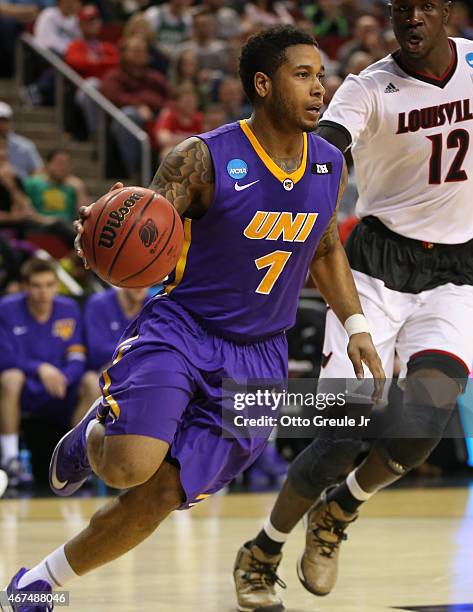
x=133 y=237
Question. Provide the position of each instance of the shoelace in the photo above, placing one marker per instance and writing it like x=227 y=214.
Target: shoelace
x=262 y=575
x=332 y=525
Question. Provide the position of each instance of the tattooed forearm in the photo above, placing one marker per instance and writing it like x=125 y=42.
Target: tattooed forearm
x=330 y=237
x=185 y=178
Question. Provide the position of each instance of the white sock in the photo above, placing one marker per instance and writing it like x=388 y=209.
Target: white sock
x=9 y=447
x=89 y=428
x=273 y=533
x=355 y=489
x=55 y=569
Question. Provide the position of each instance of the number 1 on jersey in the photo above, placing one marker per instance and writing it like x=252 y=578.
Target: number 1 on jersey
x=275 y=261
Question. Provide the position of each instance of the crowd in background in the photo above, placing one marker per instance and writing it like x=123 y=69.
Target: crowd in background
x=172 y=68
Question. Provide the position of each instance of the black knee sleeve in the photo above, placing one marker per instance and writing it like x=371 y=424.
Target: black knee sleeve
x=330 y=455
x=321 y=464
x=433 y=383
x=403 y=454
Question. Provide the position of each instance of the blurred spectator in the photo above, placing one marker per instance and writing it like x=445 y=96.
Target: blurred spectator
x=232 y=100
x=390 y=41
x=459 y=24
x=17 y=215
x=106 y=316
x=22 y=152
x=9 y=268
x=171 y=22
x=359 y=61
x=210 y=52
x=57 y=194
x=214 y=117
x=139 y=91
x=181 y=120
x=14 y=205
x=57 y=26
x=42 y=358
x=227 y=20
x=138 y=25
x=185 y=69
x=14 y=15
x=327 y=18
x=88 y=55
x=367 y=38
x=265 y=13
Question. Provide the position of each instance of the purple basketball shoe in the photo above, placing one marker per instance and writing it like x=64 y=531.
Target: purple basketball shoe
x=38 y=586
x=70 y=467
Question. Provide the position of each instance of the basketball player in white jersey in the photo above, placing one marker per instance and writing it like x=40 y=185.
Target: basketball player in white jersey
x=409 y=121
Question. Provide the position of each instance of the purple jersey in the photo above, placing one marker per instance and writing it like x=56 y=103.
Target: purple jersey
x=26 y=343
x=244 y=263
x=104 y=323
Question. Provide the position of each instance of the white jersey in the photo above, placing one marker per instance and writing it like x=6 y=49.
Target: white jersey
x=413 y=146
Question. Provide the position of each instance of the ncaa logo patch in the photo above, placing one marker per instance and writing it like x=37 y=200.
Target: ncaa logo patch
x=237 y=169
x=469 y=59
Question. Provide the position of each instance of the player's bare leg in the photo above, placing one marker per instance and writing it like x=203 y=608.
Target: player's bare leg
x=109 y=534
x=121 y=461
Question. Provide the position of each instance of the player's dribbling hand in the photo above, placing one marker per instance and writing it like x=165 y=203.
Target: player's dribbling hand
x=84 y=212
x=361 y=351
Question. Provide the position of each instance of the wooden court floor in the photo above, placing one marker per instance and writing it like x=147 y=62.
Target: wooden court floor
x=410 y=548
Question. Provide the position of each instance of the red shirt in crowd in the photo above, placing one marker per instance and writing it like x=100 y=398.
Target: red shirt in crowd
x=171 y=120
x=92 y=58
x=145 y=86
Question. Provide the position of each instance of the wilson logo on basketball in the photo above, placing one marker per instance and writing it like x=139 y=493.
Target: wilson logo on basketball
x=148 y=232
x=115 y=220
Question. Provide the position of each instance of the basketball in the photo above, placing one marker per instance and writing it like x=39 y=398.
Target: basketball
x=132 y=238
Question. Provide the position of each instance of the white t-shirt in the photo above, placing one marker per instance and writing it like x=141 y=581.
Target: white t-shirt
x=412 y=146
x=54 y=31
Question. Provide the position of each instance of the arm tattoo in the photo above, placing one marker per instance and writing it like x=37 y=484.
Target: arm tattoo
x=186 y=178
x=331 y=237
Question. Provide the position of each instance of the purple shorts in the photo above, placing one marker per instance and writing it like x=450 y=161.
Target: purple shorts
x=165 y=382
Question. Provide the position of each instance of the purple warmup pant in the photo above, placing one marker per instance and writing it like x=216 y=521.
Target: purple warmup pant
x=166 y=383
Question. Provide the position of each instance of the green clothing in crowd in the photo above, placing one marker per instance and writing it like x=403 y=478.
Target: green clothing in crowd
x=51 y=199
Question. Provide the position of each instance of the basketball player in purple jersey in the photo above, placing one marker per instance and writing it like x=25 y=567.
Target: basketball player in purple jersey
x=258 y=199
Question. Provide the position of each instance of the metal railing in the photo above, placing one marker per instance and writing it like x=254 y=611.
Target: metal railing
x=105 y=108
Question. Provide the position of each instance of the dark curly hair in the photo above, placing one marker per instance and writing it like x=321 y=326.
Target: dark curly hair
x=266 y=52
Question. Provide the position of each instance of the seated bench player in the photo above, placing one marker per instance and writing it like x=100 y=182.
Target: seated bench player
x=42 y=358
x=106 y=316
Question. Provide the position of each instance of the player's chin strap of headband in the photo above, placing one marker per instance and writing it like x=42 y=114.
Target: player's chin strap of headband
x=356 y=324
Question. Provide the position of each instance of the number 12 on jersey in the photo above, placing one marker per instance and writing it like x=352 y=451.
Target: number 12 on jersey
x=275 y=261
x=458 y=139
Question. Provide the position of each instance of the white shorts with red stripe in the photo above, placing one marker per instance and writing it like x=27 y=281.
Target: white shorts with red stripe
x=404 y=324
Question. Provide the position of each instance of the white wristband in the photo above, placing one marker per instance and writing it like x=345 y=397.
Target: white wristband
x=356 y=324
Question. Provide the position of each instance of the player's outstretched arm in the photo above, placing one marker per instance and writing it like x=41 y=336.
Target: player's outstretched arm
x=332 y=275
x=185 y=177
